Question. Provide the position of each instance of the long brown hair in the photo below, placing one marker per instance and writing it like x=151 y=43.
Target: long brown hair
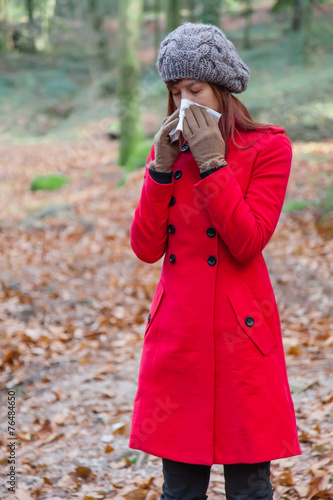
x=235 y=116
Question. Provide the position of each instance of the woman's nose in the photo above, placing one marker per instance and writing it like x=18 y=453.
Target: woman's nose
x=185 y=94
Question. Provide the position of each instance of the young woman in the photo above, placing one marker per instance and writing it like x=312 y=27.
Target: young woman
x=212 y=385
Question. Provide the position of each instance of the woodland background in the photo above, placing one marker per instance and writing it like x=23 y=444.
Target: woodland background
x=81 y=101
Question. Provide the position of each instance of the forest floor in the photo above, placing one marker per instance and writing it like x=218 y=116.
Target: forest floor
x=73 y=308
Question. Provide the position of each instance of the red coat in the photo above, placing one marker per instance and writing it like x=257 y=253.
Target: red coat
x=212 y=385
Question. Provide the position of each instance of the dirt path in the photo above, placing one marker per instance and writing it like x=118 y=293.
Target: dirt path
x=74 y=302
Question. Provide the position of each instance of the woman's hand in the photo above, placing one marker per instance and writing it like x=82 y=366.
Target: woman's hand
x=204 y=138
x=166 y=153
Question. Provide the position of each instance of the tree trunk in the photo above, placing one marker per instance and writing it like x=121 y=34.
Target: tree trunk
x=248 y=24
x=297 y=15
x=307 y=28
x=5 y=35
x=192 y=5
x=71 y=9
x=130 y=13
x=157 y=34
x=212 y=12
x=29 y=5
x=3 y=11
x=47 y=8
x=97 y=24
x=173 y=15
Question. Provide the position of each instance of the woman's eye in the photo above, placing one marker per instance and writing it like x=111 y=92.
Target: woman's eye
x=175 y=94
x=195 y=91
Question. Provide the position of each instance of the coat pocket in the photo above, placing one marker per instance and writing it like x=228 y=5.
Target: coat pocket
x=251 y=318
x=158 y=295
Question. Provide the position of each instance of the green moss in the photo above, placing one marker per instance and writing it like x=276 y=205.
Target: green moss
x=138 y=157
x=48 y=182
x=295 y=205
x=122 y=181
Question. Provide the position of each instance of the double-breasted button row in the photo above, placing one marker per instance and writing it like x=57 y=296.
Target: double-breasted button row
x=211 y=259
x=149 y=317
x=178 y=174
x=185 y=147
x=171 y=229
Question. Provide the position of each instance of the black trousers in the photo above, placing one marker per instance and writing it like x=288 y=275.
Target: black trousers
x=183 y=481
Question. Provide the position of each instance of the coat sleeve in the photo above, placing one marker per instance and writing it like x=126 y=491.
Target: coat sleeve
x=148 y=233
x=247 y=222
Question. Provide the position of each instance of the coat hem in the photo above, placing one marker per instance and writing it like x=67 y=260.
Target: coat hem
x=264 y=458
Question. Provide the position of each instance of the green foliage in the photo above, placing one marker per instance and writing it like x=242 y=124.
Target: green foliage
x=54 y=96
x=38 y=93
x=48 y=182
x=324 y=205
x=5 y=38
x=281 y=5
x=284 y=91
x=114 y=128
x=295 y=205
x=211 y=12
x=122 y=181
x=16 y=11
x=138 y=156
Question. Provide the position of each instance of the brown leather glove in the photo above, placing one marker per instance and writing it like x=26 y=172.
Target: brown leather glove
x=166 y=153
x=204 y=138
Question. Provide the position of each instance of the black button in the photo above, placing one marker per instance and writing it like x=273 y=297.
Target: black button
x=172 y=201
x=171 y=229
x=172 y=258
x=249 y=321
x=211 y=232
x=184 y=147
x=149 y=317
x=178 y=174
x=211 y=260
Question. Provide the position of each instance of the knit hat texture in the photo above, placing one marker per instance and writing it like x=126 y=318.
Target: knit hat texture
x=202 y=52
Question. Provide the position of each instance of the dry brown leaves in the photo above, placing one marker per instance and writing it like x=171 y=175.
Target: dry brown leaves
x=74 y=302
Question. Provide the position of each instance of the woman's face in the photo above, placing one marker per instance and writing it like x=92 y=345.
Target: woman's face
x=195 y=90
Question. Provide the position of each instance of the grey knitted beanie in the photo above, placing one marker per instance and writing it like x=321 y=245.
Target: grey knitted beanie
x=202 y=52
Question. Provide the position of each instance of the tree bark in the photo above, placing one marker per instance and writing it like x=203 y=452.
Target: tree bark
x=130 y=13
x=97 y=22
x=5 y=35
x=47 y=8
x=3 y=11
x=307 y=29
x=29 y=4
x=157 y=33
x=297 y=15
x=248 y=24
x=173 y=14
x=192 y=5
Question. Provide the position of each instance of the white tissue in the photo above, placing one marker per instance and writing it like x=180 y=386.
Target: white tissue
x=185 y=103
